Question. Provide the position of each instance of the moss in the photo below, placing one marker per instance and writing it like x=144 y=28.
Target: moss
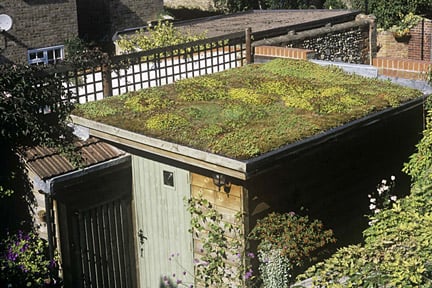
x=166 y=122
x=147 y=100
x=248 y=111
x=204 y=89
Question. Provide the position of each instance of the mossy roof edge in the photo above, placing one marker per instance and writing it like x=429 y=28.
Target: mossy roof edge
x=261 y=162
x=240 y=169
x=246 y=112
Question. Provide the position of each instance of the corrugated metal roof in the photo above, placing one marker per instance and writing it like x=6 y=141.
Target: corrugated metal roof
x=48 y=162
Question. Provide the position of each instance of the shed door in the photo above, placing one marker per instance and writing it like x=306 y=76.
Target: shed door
x=164 y=245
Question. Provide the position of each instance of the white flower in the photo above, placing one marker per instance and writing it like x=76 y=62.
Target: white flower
x=377 y=211
x=372 y=222
x=380 y=190
x=372 y=206
x=369 y=195
x=393 y=198
x=393 y=178
x=372 y=200
x=384 y=181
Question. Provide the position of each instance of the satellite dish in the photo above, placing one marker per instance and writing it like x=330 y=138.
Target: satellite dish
x=5 y=22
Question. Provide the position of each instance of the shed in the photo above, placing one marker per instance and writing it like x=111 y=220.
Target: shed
x=328 y=172
x=85 y=210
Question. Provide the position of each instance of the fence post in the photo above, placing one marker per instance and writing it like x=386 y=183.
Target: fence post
x=248 y=32
x=106 y=77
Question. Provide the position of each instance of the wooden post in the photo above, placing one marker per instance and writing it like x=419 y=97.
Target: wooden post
x=106 y=77
x=249 y=58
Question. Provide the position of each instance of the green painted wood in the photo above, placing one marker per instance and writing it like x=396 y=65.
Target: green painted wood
x=162 y=218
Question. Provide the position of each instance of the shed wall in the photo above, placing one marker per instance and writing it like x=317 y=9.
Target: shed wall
x=228 y=204
x=331 y=182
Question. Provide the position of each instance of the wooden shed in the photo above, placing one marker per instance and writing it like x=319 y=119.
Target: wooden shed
x=329 y=174
x=85 y=212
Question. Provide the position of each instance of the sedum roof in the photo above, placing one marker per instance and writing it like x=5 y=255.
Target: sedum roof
x=249 y=111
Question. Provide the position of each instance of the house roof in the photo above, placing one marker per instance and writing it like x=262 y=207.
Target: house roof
x=263 y=21
x=48 y=162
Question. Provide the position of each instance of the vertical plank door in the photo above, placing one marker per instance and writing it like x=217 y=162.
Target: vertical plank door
x=164 y=244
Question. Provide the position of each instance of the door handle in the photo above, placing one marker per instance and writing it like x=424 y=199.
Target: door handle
x=141 y=239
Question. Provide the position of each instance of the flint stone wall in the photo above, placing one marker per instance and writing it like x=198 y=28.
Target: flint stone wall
x=350 y=42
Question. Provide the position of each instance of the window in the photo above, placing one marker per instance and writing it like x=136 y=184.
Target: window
x=168 y=178
x=49 y=55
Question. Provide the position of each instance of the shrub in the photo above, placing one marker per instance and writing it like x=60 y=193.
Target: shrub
x=397 y=249
x=24 y=262
x=396 y=252
x=389 y=15
x=163 y=34
x=298 y=241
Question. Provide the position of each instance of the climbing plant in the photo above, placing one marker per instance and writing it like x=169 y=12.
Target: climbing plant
x=222 y=260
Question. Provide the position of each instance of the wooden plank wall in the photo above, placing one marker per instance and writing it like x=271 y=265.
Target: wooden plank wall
x=228 y=204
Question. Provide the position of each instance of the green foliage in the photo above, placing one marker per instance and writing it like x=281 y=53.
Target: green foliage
x=398 y=246
x=222 y=260
x=161 y=35
x=298 y=241
x=406 y=23
x=166 y=122
x=419 y=165
x=205 y=88
x=390 y=15
x=26 y=95
x=429 y=75
x=82 y=54
x=251 y=110
x=24 y=261
x=396 y=252
x=147 y=100
x=275 y=268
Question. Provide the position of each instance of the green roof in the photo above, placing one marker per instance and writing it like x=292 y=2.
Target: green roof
x=245 y=112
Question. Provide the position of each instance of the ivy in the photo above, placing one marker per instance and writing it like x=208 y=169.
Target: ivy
x=33 y=111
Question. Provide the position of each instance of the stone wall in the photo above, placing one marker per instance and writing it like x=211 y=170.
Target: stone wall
x=36 y=24
x=342 y=46
x=351 y=42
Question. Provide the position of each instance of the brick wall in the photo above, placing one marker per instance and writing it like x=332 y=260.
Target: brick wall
x=420 y=46
x=100 y=19
x=416 y=47
x=389 y=47
x=402 y=68
x=36 y=24
x=387 y=66
x=264 y=53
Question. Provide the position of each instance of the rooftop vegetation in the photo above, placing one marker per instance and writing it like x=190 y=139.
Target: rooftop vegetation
x=245 y=112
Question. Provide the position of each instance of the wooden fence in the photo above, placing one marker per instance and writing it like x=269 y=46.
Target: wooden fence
x=131 y=72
